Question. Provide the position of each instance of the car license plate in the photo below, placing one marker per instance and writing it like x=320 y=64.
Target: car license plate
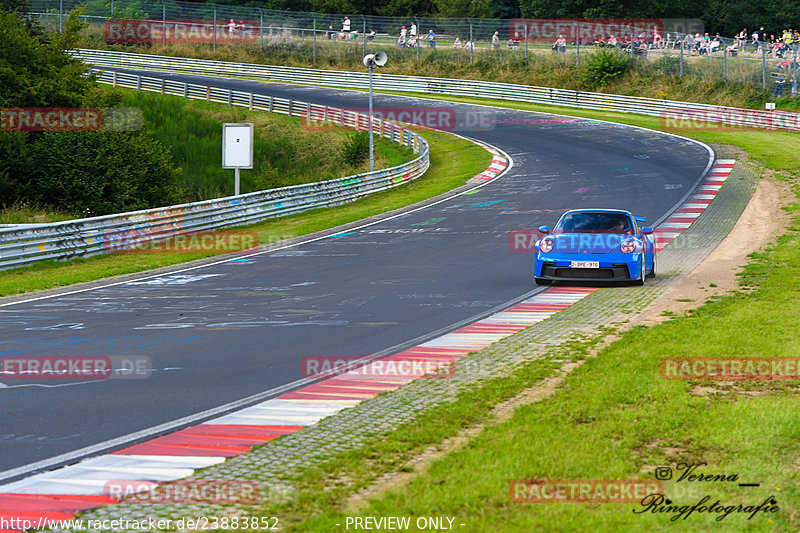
x=584 y=264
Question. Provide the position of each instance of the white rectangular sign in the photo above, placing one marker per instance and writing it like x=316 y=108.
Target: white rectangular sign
x=237 y=145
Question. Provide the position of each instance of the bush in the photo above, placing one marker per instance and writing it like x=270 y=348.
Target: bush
x=668 y=64
x=603 y=66
x=98 y=173
x=355 y=150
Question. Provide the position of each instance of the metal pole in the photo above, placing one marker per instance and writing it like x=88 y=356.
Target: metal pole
x=215 y=28
x=112 y=8
x=794 y=68
x=60 y=14
x=525 y=26
x=681 y=57
x=725 y=64
x=314 y=45
x=577 y=45
x=471 y=42
x=364 y=29
x=163 y=24
x=261 y=28
x=416 y=37
x=371 y=148
x=236 y=182
x=763 y=66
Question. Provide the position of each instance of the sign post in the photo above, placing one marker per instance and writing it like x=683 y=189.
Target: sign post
x=237 y=148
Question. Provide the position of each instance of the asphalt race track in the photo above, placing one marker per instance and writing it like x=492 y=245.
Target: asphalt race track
x=228 y=331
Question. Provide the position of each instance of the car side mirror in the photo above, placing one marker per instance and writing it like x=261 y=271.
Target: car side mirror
x=639 y=219
x=647 y=231
x=544 y=229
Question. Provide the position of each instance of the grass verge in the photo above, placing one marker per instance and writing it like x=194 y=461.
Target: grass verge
x=453 y=162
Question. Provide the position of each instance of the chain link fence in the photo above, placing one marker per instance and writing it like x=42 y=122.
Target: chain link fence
x=678 y=46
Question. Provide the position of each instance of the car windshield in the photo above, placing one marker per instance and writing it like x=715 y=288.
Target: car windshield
x=594 y=223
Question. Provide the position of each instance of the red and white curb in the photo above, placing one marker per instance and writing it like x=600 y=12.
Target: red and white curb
x=499 y=164
x=692 y=208
x=59 y=494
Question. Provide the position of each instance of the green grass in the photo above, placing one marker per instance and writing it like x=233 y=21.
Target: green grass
x=285 y=151
x=453 y=162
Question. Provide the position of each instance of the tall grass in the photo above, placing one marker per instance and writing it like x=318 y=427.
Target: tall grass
x=285 y=153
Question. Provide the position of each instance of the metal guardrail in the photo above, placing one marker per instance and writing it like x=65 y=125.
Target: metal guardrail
x=89 y=236
x=454 y=87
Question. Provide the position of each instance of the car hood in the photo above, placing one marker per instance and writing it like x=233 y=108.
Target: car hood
x=588 y=243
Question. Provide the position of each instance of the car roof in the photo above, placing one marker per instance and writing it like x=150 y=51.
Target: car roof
x=620 y=211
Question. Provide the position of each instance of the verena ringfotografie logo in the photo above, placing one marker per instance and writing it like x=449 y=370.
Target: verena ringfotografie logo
x=582 y=490
x=731 y=368
x=197 y=492
x=180 y=31
x=71 y=367
x=140 y=241
x=329 y=365
x=70 y=119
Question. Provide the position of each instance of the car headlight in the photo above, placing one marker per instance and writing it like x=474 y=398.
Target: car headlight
x=546 y=245
x=628 y=247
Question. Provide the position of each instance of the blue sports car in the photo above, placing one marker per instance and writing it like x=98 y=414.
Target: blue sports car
x=595 y=244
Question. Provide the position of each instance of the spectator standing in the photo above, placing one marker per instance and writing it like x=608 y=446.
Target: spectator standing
x=560 y=45
x=457 y=43
x=496 y=41
x=413 y=31
x=403 y=33
x=346 y=26
x=329 y=33
x=231 y=27
x=431 y=40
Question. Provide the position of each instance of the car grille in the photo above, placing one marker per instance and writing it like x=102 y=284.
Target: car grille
x=617 y=271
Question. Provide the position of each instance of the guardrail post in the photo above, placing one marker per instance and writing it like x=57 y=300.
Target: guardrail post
x=290 y=108
x=114 y=79
x=250 y=102
x=271 y=98
x=163 y=82
x=325 y=114
x=208 y=93
x=138 y=83
x=214 y=46
x=230 y=97
x=185 y=89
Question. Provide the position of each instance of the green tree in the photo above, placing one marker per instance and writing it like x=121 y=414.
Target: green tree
x=34 y=73
x=464 y=8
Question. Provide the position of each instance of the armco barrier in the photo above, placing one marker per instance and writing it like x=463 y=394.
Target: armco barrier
x=21 y=246
x=445 y=86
